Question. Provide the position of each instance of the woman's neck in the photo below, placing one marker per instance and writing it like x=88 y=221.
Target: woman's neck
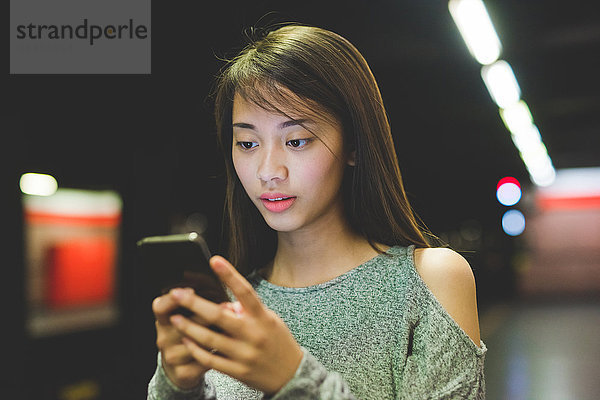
x=308 y=258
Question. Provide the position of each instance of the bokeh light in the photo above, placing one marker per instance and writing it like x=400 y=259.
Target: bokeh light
x=38 y=184
x=508 y=191
x=513 y=222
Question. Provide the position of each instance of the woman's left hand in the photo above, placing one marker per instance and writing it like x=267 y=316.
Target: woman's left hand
x=256 y=346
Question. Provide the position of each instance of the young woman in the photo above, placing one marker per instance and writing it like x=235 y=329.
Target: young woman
x=339 y=291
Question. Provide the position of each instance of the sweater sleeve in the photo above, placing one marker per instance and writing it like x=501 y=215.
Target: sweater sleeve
x=161 y=388
x=442 y=361
x=313 y=381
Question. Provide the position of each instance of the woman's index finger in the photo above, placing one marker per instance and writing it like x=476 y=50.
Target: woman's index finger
x=241 y=288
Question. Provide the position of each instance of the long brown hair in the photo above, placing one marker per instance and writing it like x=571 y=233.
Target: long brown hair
x=329 y=77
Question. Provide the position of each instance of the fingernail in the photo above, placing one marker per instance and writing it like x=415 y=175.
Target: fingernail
x=178 y=293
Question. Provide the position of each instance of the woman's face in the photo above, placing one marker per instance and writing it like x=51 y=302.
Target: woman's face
x=291 y=176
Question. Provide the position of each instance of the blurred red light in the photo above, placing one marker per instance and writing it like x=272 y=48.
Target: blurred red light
x=508 y=179
x=80 y=272
x=547 y=203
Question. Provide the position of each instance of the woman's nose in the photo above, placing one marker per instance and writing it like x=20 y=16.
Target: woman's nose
x=272 y=166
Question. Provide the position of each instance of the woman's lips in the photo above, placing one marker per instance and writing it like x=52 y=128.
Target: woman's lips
x=276 y=205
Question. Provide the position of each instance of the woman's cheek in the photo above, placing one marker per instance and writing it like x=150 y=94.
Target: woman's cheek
x=322 y=172
x=244 y=172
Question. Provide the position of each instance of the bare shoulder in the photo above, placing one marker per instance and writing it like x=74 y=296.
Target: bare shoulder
x=450 y=278
x=443 y=267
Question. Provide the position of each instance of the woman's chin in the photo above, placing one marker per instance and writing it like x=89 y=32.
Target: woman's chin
x=281 y=224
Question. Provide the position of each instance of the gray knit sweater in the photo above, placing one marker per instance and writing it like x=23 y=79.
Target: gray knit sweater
x=375 y=332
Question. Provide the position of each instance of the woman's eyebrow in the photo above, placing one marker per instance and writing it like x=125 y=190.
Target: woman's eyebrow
x=283 y=125
x=243 y=125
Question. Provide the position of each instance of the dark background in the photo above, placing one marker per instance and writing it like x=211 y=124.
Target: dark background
x=152 y=139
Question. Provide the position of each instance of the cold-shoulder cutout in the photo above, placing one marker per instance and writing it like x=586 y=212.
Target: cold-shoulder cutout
x=450 y=278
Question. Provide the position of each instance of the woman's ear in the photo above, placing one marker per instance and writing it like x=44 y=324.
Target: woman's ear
x=351 y=160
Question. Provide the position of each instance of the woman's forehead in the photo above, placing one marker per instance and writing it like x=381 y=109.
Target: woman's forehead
x=286 y=104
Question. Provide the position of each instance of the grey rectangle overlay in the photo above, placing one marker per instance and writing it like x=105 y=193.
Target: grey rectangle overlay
x=80 y=37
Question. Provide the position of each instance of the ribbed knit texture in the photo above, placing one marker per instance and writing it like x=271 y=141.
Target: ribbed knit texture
x=375 y=332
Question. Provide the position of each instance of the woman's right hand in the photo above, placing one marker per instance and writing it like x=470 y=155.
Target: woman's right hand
x=177 y=361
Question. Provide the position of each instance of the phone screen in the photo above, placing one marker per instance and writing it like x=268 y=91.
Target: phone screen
x=179 y=261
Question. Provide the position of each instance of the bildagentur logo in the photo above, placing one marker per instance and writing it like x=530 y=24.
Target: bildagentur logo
x=80 y=37
x=91 y=33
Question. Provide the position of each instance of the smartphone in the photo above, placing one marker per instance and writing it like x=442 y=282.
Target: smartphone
x=179 y=260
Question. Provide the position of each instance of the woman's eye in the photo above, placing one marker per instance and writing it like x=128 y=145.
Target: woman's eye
x=246 y=145
x=298 y=142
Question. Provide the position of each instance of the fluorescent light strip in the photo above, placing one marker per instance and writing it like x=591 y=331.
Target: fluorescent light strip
x=517 y=117
x=501 y=83
x=527 y=139
x=477 y=30
x=543 y=175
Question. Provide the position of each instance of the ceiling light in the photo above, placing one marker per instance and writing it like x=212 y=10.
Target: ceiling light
x=517 y=117
x=501 y=83
x=476 y=28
